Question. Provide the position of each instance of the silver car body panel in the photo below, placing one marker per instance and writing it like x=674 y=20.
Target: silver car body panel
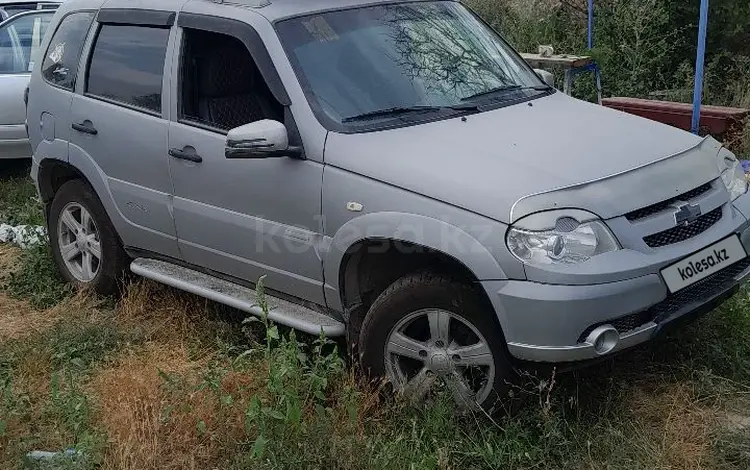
x=465 y=162
x=14 y=141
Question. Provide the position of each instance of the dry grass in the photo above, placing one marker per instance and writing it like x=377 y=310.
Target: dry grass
x=131 y=406
x=163 y=313
x=676 y=428
x=9 y=256
x=18 y=319
x=151 y=401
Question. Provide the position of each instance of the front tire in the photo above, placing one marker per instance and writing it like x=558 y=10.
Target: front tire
x=426 y=331
x=85 y=245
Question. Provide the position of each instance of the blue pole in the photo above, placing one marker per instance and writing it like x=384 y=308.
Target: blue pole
x=699 y=61
x=591 y=24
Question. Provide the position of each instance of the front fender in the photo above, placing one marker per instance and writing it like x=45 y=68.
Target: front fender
x=415 y=229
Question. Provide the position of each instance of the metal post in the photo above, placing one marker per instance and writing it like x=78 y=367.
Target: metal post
x=591 y=24
x=699 y=62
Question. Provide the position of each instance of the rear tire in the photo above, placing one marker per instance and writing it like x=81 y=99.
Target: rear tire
x=426 y=330
x=85 y=245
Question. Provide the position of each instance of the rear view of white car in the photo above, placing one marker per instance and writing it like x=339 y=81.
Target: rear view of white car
x=21 y=33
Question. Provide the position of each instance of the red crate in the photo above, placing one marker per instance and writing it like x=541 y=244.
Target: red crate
x=718 y=121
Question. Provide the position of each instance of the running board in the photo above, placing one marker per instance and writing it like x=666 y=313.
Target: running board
x=240 y=297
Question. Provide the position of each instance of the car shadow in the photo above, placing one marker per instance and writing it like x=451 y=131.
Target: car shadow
x=15 y=168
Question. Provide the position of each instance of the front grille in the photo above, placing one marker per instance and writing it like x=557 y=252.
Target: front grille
x=697 y=294
x=664 y=205
x=684 y=232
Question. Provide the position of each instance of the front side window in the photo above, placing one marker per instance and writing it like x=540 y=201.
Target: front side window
x=127 y=65
x=60 y=66
x=221 y=87
x=20 y=38
x=424 y=57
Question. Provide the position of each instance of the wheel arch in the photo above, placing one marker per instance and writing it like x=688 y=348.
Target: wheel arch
x=52 y=174
x=358 y=268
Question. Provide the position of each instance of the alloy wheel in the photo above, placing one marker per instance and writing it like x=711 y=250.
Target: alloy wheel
x=430 y=348
x=79 y=242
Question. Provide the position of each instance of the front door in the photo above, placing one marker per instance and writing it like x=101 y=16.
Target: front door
x=119 y=128
x=244 y=218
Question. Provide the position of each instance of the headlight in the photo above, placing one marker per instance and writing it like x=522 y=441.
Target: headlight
x=732 y=174
x=559 y=237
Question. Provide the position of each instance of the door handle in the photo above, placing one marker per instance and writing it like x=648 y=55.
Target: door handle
x=87 y=127
x=184 y=155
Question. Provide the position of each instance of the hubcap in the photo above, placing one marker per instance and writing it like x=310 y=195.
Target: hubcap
x=431 y=347
x=79 y=242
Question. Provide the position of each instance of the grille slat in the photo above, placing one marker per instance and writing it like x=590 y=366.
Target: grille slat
x=684 y=232
x=644 y=212
x=699 y=293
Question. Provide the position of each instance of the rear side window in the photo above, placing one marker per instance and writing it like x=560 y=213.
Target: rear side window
x=127 y=65
x=60 y=66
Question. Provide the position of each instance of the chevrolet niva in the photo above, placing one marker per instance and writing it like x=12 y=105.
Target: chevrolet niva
x=395 y=170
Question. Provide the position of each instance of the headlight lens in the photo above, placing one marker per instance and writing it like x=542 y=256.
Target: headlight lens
x=732 y=174
x=567 y=242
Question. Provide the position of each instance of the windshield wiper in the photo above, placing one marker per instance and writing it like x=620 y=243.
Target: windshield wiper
x=399 y=110
x=503 y=88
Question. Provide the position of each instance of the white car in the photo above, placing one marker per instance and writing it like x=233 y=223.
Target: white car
x=21 y=34
x=10 y=8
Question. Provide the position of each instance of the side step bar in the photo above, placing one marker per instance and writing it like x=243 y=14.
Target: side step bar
x=240 y=297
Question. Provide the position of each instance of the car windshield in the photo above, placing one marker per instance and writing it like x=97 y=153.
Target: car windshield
x=382 y=62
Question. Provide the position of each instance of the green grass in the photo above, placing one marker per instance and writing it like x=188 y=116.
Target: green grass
x=585 y=420
x=61 y=359
x=19 y=203
x=37 y=279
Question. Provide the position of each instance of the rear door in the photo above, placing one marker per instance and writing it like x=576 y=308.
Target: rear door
x=53 y=85
x=20 y=39
x=119 y=126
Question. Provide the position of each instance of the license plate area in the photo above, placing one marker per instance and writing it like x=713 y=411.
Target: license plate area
x=703 y=263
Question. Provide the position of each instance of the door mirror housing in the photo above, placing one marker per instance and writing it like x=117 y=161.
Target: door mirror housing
x=547 y=77
x=260 y=139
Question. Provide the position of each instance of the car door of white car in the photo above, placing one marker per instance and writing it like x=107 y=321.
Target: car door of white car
x=20 y=38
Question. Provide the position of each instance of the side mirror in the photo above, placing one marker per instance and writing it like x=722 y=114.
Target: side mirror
x=260 y=139
x=547 y=77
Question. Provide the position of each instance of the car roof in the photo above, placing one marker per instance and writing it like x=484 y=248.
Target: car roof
x=275 y=10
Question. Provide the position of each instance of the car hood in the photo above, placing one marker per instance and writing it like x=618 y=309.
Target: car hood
x=551 y=152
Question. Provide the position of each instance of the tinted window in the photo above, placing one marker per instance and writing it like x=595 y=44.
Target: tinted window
x=20 y=39
x=60 y=65
x=127 y=65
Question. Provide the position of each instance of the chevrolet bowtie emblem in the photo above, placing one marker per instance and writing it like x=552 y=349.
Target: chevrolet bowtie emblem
x=686 y=213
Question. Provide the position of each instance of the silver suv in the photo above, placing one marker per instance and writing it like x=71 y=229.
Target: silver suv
x=394 y=169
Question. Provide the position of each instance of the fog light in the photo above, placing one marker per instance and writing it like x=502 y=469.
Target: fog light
x=604 y=339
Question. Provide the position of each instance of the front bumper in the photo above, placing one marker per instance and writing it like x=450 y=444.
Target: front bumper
x=551 y=323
